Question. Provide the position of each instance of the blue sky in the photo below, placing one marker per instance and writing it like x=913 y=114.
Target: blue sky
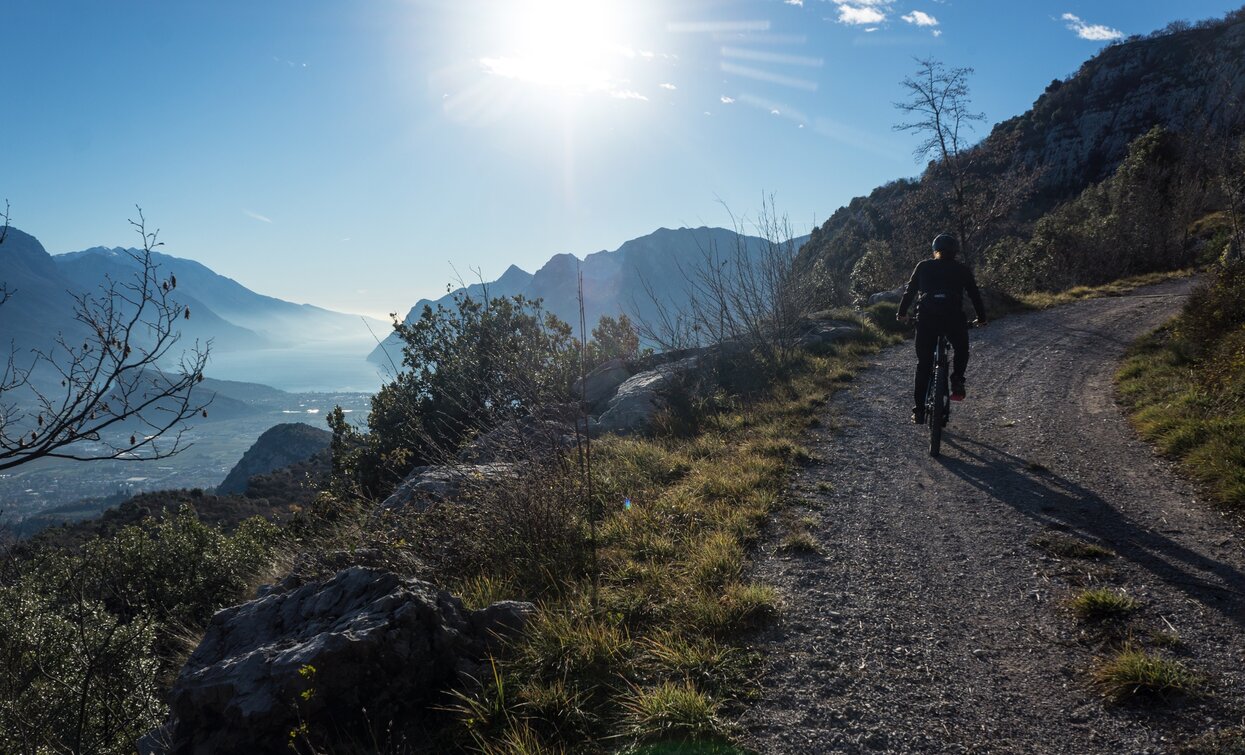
x=347 y=153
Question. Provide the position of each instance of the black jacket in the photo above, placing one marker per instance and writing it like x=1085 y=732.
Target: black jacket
x=945 y=280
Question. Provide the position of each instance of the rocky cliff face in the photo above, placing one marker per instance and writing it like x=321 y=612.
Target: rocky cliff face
x=1189 y=80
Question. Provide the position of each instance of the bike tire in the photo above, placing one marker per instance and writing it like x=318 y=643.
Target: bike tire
x=935 y=415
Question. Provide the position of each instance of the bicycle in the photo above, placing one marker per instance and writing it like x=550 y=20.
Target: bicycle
x=938 y=393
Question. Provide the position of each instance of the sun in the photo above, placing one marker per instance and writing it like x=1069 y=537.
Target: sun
x=574 y=47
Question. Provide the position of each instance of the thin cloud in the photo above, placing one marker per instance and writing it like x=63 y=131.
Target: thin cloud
x=1092 y=32
x=920 y=19
x=727 y=100
x=715 y=27
x=799 y=3
x=743 y=53
x=256 y=216
x=627 y=94
x=773 y=78
x=668 y=85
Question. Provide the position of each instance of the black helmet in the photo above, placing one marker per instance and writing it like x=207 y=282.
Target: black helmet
x=947 y=245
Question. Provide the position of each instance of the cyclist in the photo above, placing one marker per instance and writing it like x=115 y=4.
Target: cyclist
x=938 y=286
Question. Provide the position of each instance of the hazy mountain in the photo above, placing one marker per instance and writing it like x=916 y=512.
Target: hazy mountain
x=241 y=317
x=614 y=281
x=40 y=303
x=279 y=446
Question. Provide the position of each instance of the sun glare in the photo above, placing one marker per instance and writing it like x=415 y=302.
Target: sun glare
x=575 y=47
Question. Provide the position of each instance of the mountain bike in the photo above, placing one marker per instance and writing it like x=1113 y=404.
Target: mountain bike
x=938 y=393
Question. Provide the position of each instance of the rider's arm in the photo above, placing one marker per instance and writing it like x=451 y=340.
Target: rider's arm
x=970 y=285
x=910 y=291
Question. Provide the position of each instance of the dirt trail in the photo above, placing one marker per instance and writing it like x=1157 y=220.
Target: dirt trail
x=930 y=623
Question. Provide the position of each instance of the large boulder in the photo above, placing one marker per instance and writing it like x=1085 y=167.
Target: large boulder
x=821 y=334
x=540 y=436
x=641 y=396
x=893 y=295
x=426 y=486
x=598 y=386
x=363 y=645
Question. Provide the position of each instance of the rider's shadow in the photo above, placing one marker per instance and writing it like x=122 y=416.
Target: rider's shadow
x=1058 y=502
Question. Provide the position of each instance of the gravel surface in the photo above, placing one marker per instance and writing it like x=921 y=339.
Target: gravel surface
x=930 y=622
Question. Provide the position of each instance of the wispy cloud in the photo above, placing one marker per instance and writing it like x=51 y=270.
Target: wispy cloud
x=800 y=3
x=920 y=19
x=760 y=56
x=773 y=78
x=256 y=216
x=727 y=100
x=1092 y=32
x=716 y=27
x=668 y=85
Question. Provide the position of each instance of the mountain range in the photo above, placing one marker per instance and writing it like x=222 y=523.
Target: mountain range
x=242 y=325
x=634 y=279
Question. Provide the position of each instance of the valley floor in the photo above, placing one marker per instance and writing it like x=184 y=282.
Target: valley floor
x=931 y=622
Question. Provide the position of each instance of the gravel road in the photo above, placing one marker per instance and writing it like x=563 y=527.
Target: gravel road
x=931 y=623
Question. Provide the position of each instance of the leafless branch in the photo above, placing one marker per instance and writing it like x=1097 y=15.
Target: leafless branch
x=120 y=392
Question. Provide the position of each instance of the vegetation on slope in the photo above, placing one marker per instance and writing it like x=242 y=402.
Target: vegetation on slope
x=1185 y=385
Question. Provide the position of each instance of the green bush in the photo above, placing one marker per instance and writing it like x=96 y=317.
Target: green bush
x=88 y=637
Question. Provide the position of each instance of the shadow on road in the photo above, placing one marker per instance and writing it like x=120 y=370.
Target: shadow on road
x=1058 y=502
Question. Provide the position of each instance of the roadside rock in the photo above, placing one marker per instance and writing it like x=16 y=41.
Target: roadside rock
x=522 y=438
x=824 y=333
x=425 y=486
x=599 y=385
x=893 y=295
x=365 y=644
x=640 y=397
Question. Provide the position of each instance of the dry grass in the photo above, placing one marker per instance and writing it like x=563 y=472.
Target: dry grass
x=1065 y=546
x=1102 y=604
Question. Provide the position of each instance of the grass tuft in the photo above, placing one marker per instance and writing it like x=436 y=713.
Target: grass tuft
x=1133 y=673
x=1102 y=604
x=672 y=709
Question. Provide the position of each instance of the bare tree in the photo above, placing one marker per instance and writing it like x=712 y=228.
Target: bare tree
x=940 y=110
x=750 y=293
x=123 y=392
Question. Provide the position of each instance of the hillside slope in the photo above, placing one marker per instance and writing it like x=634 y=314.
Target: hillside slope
x=1188 y=80
x=931 y=621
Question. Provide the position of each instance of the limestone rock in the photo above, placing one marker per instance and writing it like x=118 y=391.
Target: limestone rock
x=640 y=397
x=599 y=386
x=325 y=652
x=425 y=486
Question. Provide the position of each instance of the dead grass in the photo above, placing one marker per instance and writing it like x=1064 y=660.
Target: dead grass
x=1102 y=604
x=1059 y=545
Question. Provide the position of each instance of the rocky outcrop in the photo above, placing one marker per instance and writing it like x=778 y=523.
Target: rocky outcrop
x=598 y=386
x=280 y=446
x=365 y=644
x=638 y=399
x=429 y=485
x=894 y=295
x=821 y=335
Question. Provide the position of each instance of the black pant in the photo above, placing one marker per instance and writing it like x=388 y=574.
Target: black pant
x=955 y=326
